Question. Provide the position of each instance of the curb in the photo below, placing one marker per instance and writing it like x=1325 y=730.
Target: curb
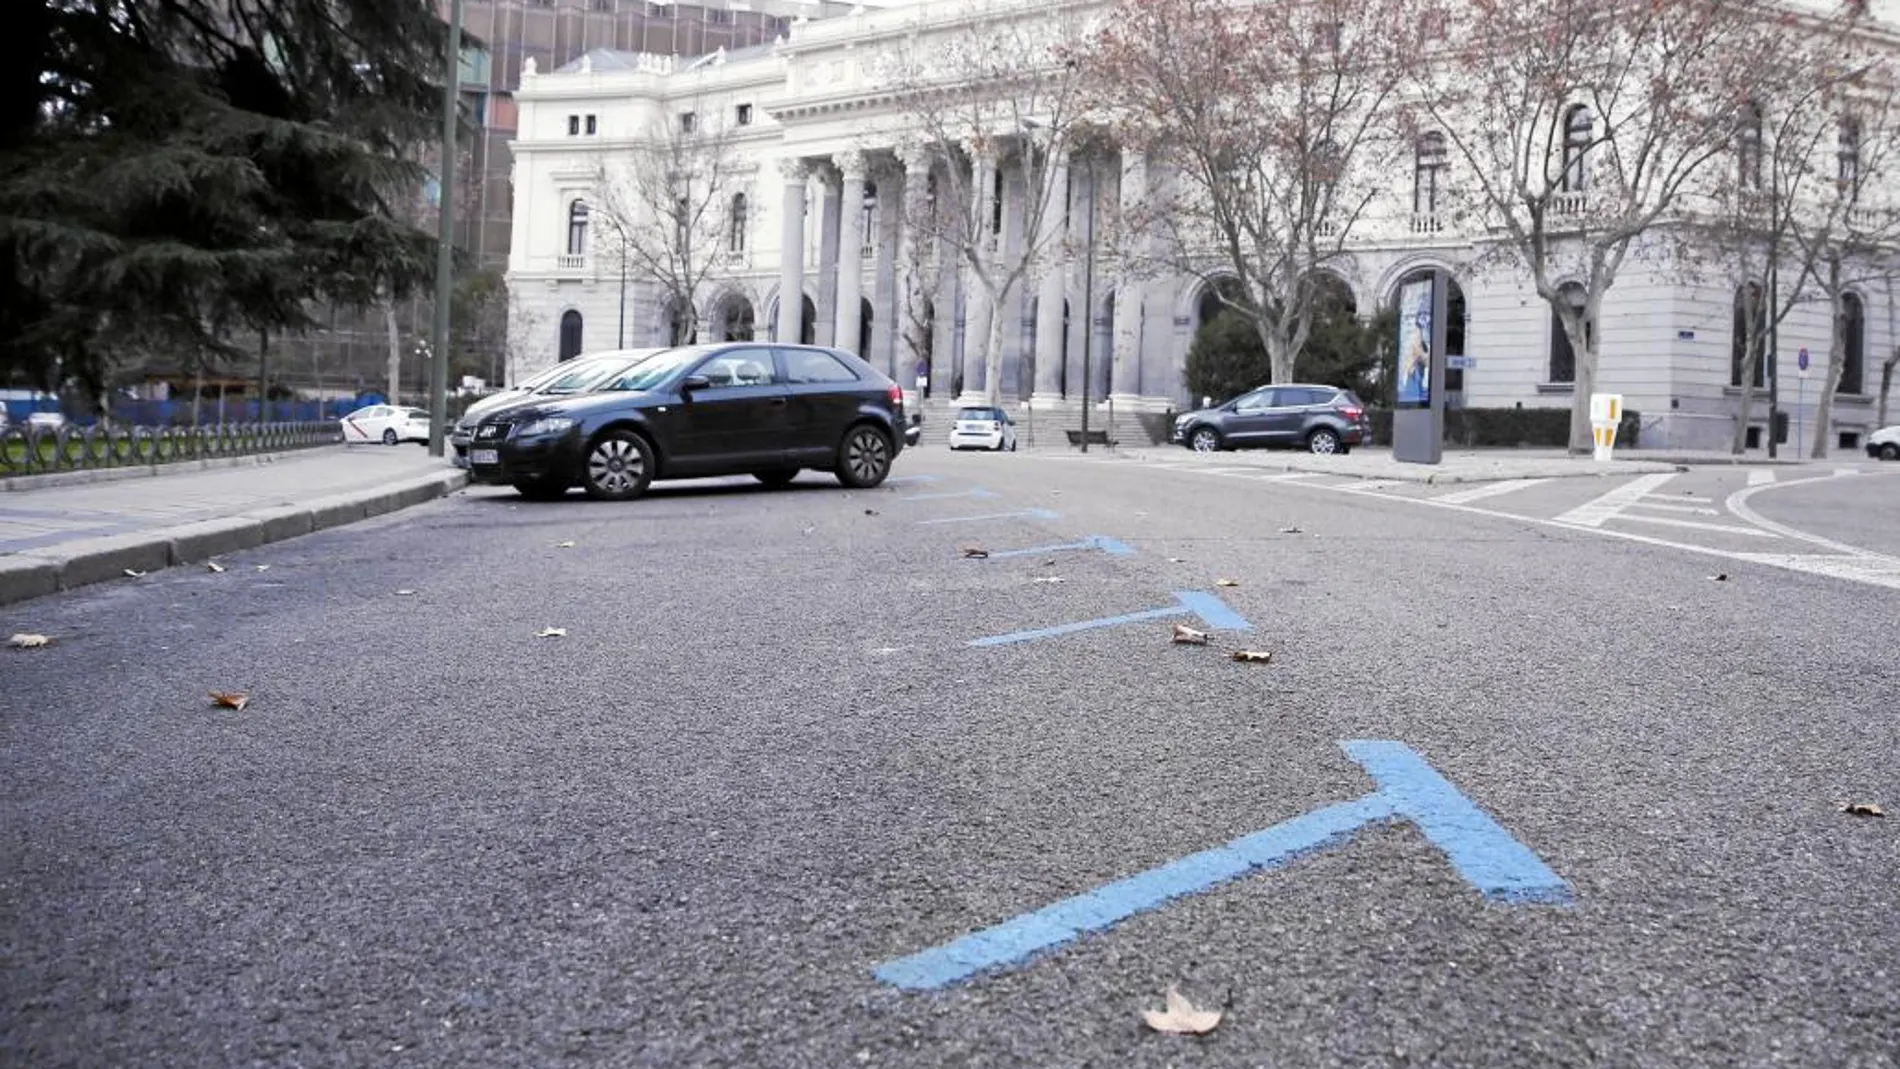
x=37 y=573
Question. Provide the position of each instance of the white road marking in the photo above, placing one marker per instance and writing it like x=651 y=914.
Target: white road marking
x=1761 y=476
x=1367 y=486
x=1725 y=528
x=1670 y=506
x=1484 y=490
x=1858 y=568
x=1593 y=513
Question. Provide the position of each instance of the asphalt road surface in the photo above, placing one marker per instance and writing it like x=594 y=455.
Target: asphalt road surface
x=765 y=761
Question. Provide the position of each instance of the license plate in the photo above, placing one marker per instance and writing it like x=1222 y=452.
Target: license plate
x=484 y=456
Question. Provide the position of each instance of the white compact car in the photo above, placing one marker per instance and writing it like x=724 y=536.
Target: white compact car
x=1884 y=444
x=387 y=424
x=983 y=428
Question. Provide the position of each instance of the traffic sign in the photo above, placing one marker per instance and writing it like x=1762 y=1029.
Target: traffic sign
x=1459 y=362
x=1801 y=360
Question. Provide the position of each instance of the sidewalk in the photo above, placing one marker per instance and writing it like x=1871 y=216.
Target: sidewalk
x=60 y=537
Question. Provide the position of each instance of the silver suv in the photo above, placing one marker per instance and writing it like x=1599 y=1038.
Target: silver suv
x=1322 y=419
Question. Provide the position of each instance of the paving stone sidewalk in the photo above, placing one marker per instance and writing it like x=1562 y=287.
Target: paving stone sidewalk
x=63 y=536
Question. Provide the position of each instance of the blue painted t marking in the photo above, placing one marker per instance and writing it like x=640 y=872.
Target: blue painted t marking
x=978 y=493
x=1031 y=514
x=1101 y=542
x=1482 y=852
x=1212 y=611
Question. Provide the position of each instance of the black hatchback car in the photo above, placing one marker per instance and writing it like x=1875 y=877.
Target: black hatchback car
x=1322 y=419
x=733 y=409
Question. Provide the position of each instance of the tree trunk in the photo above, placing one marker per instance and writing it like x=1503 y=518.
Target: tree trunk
x=1751 y=359
x=263 y=376
x=993 y=347
x=1824 y=405
x=395 y=350
x=1582 y=437
x=197 y=391
x=1886 y=382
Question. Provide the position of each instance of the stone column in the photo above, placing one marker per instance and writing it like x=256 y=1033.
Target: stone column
x=1054 y=289
x=1125 y=386
x=823 y=332
x=850 y=262
x=887 y=324
x=976 y=303
x=791 y=254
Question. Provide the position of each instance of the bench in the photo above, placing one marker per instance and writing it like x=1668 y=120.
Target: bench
x=1096 y=436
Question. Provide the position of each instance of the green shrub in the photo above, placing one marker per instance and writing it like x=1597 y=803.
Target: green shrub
x=1539 y=428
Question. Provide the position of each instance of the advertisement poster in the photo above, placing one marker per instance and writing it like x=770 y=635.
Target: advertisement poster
x=1415 y=344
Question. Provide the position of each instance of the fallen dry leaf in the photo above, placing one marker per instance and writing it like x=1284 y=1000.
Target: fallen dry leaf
x=134 y=573
x=1177 y=560
x=1720 y=577
x=230 y=699
x=1253 y=656
x=563 y=545
x=213 y=566
x=1226 y=582
x=1289 y=530
x=1181 y=1018
x=405 y=593
x=975 y=552
x=1863 y=809
x=1047 y=579
x=808 y=530
x=551 y=632
x=1187 y=636
x=870 y=512
x=1050 y=563
x=26 y=641
x=263 y=567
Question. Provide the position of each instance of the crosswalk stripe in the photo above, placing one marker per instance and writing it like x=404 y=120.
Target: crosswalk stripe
x=1761 y=476
x=1593 y=513
x=1484 y=490
x=1725 y=528
x=1671 y=506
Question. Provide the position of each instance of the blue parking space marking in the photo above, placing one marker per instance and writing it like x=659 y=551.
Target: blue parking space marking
x=978 y=493
x=1029 y=514
x=1211 y=610
x=1111 y=546
x=1481 y=851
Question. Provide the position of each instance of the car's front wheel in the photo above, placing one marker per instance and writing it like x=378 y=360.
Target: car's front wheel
x=619 y=467
x=1890 y=451
x=777 y=477
x=1204 y=440
x=1323 y=441
x=864 y=457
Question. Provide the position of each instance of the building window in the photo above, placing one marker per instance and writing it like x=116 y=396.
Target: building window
x=573 y=126
x=577 y=228
x=689 y=121
x=1748 y=144
x=605 y=6
x=867 y=215
x=682 y=229
x=1579 y=130
x=1853 y=328
x=742 y=115
x=736 y=240
x=1563 y=355
x=1428 y=174
x=570 y=334
x=1749 y=302
x=1850 y=157
x=592 y=126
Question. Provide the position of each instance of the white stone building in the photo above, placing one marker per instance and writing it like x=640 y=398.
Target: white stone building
x=815 y=211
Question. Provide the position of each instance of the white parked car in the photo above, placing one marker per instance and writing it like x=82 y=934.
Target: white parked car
x=983 y=428
x=1884 y=444
x=45 y=421
x=387 y=424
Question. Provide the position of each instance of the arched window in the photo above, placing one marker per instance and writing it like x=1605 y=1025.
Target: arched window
x=1748 y=143
x=735 y=241
x=1579 y=130
x=1853 y=328
x=1563 y=355
x=570 y=334
x=577 y=228
x=1428 y=173
x=1749 y=302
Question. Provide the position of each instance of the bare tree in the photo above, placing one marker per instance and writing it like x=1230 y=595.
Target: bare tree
x=669 y=205
x=992 y=103
x=1580 y=126
x=1849 y=234
x=524 y=324
x=920 y=269
x=1275 y=120
x=1892 y=361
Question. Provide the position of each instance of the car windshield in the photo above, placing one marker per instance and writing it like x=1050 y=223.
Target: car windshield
x=656 y=369
x=979 y=413
x=586 y=378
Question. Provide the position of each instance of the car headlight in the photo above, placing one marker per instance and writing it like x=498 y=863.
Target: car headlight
x=546 y=425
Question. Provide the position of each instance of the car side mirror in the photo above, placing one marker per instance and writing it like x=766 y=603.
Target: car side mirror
x=694 y=382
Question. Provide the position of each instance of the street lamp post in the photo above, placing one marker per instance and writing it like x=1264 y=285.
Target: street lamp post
x=1088 y=301
x=445 y=239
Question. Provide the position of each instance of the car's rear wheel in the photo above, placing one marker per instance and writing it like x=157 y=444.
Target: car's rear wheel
x=1890 y=451
x=1204 y=440
x=541 y=489
x=864 y=457
x=618 y=468
x=1324 y=441
x=776 y=478
x=389 y=437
